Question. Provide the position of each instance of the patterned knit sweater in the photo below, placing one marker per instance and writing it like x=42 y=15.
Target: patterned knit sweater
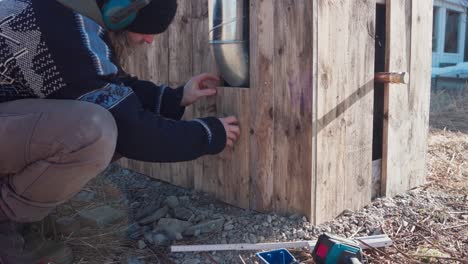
x=49 y=51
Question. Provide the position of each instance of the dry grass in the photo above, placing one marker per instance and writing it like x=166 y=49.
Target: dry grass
x=449 y=110
x=100 y=245
x=448 y=160
x=438 y=233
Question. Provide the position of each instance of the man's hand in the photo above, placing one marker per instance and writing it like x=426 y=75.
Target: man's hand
x=199 y=86
x=232 y=129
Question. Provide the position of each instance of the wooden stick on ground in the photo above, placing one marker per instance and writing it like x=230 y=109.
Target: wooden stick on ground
x=365 y=242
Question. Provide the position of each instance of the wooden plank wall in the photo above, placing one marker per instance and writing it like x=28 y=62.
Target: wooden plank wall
x=406 y=107
x=270 y=167
x=344 y=101
x=306 y=143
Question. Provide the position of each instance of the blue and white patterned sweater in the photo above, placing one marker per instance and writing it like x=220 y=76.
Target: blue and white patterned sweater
x=49 y=51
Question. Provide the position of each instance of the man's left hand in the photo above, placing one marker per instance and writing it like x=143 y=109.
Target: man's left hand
x=199 y=86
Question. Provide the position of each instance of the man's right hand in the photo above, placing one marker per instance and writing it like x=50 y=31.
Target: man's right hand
x=232 y=129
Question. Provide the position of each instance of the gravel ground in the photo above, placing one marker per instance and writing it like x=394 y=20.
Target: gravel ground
x=427 y=224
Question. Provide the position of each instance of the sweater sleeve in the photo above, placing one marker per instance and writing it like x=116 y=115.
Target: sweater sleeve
x=161 y=100
x=148 y=137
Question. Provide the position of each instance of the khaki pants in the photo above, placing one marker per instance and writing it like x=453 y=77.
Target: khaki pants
x=49 y=149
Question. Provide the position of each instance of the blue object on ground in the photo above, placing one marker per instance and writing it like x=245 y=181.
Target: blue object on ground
x=279 y=256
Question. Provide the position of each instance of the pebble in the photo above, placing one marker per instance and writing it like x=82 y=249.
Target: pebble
x=160 y=240
x=141 y=244
x=228 y=227
x=160 y=213
x=100 y=217
x=149 y=237
x=191 y=261
x=134 y=205
x=147 y=210
x=389 y=204
x=211 y=226
x=134 y=232
x=134 y=260
x=184 y=198
x=172 y=202
x=347 y=212
x=172 y=225
x=301 y=234
x=183 y=213
x=252 y=238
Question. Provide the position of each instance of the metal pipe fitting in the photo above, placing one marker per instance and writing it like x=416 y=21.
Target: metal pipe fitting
x=229 y=37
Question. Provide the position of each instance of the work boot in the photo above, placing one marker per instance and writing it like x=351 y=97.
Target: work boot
x=15 y=249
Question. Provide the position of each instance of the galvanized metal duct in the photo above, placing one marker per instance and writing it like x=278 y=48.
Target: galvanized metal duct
x=229 y=37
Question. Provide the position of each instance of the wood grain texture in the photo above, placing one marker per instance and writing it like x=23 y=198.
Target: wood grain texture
x=180 y=71
x=397 y=57
x=315 y=83
x=231 y=181
x=261 y=101
x=292 y=109
x=420 y=88
x=344 y=106
x=406 y=107
x=202 y=61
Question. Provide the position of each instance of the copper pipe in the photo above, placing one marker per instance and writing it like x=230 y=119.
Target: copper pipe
x=392 y=77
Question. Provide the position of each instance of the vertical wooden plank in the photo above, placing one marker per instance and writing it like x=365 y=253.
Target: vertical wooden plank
x=406 y=107
x=225 y=175
x=293 y=71
x=203 y=61
x=232 y=182
x=180 y=71
x=207 y=175
x=420 y=87
x=397 y=57
x=261 y=102
x=345 y=106
x=315 y=84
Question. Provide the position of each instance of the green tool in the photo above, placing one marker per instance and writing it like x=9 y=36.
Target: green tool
x=336 y=250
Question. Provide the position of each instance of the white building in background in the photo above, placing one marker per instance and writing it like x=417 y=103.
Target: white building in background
x=450 y=39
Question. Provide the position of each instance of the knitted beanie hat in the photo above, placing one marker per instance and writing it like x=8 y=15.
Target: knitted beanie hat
x=154 y=18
